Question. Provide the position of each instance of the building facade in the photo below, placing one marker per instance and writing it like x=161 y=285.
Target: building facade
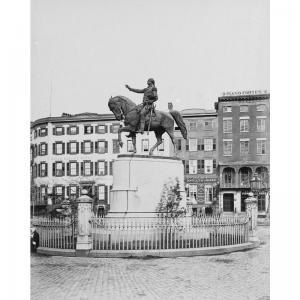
x=244 y=149
x=75 y=152
x=199 y=154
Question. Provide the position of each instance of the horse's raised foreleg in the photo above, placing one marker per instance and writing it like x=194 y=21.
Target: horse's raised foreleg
x=123 y=129
x=158 y=135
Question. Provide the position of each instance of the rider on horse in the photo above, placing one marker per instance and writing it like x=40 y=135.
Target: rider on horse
x=150 y=96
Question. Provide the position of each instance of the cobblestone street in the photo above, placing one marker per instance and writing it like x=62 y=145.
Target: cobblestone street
x=240 y=275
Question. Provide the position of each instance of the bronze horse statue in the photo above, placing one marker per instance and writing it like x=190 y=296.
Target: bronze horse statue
x=161 y=122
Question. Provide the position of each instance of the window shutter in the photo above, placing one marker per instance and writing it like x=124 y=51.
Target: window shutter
x=39 y=170
x=199 y=145
x=63 y=130
x=68 y=191
x=54 y=131
x=214 y=144
x=187 y=167
x=77 y=168
x=92 y=129
x=202 y=165
x=202 y=144
x=46 y=169
x=92 y=147
x=110 y=168
x=53 y=148
x=105 y=193
x=96 y=168
x=106 y=146
x=53 y=169
x=92 y=167
x=68 y=130
x=106 y=128
x=68 y=147
x=96 y=147
x=198 y=166
x=186 y=145
x=46 y=149
x=82 y=147
x=68 y=169
x=179 y=144
x=63 y=148
x=63 y=193
x=39 y=149
x=105 y=168
x=214 y=164
x=77 y=147
x=63 y=169
x=110 y=128
x=82 y=170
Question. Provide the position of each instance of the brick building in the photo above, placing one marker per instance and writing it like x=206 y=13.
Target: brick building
x=244 y=149
x=200 y=157
x=75 y=152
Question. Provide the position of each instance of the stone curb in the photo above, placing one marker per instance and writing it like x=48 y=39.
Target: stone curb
x=152 y=253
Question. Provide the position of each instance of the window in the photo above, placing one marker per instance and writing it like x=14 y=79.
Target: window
x=145 y=145
x=43 y=193
x=73 y=130
x=227 y=126
x=227 y=147
x=116 y=147
x=192 y=144
x=261 y=107
x=208 y=144
x=73 y=169
x=261 y=124
x=114 y=128
x=88 y=129
x=58 y=169
x=179 y=147
x=101 y=192
x=193 y=126
x=229 y=177
x=58 y=190
x=227 y=109
x=193 y=191
x=208 y=166
x=101 y=146
x=43 y=149
x=161 y=147
x=35 y=134
x=100 y=168
x=43 y=131
x=192 y=166
x=59 y=130
x=73 y=147
x=43 y=169
x=58 y=148
x=208 y=125
x=261 y=146
x=101 y=128
x=129 y=146
x=87 y=147
x=87 y=168
x=208 y=193
x=244 y=108
x=244 y=125
x=244 y=147
x=73 y=190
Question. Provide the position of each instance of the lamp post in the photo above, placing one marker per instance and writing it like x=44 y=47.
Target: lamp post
x=255 y=184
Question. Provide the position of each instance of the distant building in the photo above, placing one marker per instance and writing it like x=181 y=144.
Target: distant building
x=200 y=157
x=75 y=152
x=244 y=149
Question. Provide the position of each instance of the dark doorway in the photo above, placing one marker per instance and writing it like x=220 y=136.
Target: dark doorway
x=243 y=202
x=228 y=202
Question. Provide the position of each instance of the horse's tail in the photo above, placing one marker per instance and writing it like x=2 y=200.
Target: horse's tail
x=179 y=121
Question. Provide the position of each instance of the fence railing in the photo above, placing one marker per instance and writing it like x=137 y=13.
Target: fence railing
x=57 y=233
x=150 y=233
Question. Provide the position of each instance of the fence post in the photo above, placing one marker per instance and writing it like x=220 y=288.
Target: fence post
x=251 y=208
x=84 y=237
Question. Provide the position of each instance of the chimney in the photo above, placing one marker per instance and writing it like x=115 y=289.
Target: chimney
x=170 y=106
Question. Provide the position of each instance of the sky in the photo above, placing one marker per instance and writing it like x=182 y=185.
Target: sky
x=85 y=51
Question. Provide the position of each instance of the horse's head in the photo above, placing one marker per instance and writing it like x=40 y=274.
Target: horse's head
x=115 y=107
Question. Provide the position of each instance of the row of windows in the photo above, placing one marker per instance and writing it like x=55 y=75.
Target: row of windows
x=244 y=108
x=201 y=166
x=244 y=125
x=58 y=192
x=206 y=144
x=74 y=129
x=192 y=192
x=73 y=168
x=144 y=146
x=261 y=147
x=72 y=147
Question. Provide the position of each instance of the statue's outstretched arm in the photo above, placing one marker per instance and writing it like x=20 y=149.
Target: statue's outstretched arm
x=135 y=90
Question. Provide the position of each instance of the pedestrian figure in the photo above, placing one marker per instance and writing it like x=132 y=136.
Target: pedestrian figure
x=35 y=240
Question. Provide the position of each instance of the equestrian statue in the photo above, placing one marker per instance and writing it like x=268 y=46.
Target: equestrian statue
x=138 y=117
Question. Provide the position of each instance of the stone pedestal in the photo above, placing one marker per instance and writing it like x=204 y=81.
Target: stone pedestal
x=138 y=182
x=252 y=211
x=84 y=237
